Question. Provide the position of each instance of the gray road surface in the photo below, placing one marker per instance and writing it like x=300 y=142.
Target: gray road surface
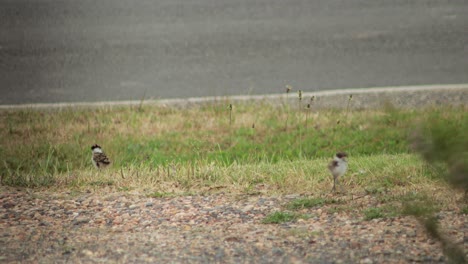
x=71 y=51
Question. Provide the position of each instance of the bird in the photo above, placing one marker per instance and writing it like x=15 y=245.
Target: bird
x=338 y=167
x=99 y=158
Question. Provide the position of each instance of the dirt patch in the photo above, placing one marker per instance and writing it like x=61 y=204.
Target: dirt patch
x=51 y=227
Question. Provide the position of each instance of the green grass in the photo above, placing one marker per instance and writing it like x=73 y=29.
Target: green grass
x=60 y=140
x=389 y=206
x=373 y=213
x=464 y=210
x=248 y=149
x=279 y=217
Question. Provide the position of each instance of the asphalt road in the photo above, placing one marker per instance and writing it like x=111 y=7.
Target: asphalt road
x=71 y=51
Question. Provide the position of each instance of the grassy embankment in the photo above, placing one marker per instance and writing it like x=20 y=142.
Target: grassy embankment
x=253 y=147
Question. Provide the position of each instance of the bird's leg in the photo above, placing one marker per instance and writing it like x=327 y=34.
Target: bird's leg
x=338 y=183
x=334 y=184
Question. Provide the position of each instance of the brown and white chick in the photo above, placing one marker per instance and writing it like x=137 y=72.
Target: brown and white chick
x=338 y=167
x=99 y=158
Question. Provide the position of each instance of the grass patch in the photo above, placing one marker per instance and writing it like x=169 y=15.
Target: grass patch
x=279 y=217
x=305 y=203
x=248 y=148
x=339 y=209
x=418 y=205
x=384 y=211
x=373 y=213
x=464 y=210
x=375 y=190
x=101 y=183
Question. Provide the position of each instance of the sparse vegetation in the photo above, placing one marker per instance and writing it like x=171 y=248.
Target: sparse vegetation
x=175 y=151
x=279 y=217
x=443 y=142
x=306 y=203
x=373 y=213
x=310 y=203
x=464 y=210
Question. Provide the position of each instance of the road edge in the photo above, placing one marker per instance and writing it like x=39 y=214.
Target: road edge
x=454 y=94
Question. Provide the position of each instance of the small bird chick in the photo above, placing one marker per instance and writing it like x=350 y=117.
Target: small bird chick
x=338 y=167
x=99 y=159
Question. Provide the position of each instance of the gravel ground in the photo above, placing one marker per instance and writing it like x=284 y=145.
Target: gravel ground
x=53 y=227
